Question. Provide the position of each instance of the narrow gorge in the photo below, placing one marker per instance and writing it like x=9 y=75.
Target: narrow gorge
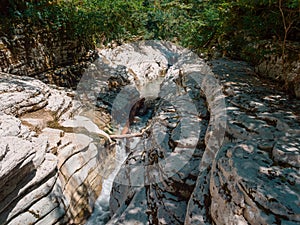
x=152 y=134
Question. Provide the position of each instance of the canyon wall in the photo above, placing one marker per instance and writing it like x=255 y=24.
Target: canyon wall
x=53 y=57
x=272 y=66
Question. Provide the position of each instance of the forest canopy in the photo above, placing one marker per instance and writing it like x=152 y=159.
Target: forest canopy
x=200 y=25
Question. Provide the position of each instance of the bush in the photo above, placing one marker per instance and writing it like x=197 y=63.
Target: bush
x=198 y=24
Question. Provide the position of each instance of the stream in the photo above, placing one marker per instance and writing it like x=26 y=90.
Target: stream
x=158 y=136
x=101 y=213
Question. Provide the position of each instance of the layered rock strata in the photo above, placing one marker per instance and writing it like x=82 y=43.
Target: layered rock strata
x=49 y=170
x=284 y=70
x=31 y=51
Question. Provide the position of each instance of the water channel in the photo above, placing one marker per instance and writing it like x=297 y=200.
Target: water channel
x=101 y=213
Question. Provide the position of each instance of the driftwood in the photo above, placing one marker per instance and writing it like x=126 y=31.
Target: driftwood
x=119 y=136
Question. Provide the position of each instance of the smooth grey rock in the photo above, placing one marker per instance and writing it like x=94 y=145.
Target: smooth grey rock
x=78 y=162
x=14 y=202
x=29 y=199
x=16 y=162
x=58 y=102
x=54 y=216
x=19 y=95
x=71 y=144
x=53 y=137
x=37 y=211
x=143 y=61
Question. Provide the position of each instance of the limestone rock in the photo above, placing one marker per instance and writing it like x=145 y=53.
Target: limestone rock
x=82 y=121
x=205 y=153
x=43 y=189
x=49 y=172
x=245 y=169
x=255 y=180
x=21 y=94
x=156 y=180
x=271 y=66
x=45 y=56
x=246 y=183
x=286 y=152
x=9 y=126
x=25 y=167
x=53 y=138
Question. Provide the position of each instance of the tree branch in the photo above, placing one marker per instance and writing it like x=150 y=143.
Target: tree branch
x=120 y=136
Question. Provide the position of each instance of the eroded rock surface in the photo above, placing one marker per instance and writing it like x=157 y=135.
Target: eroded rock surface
x=156 y=180
x=254 y=178
x=210 y=144
x=49 y=171
x=207 y=158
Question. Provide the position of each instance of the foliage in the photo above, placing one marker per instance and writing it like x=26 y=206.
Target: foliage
x=200 y=25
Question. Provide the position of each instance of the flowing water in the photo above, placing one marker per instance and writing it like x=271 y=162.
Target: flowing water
x=101 y=213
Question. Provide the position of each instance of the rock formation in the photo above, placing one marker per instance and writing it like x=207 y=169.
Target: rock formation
x=208 y=158
x=286 y=71
x=249 y=183
x=49 y=171
x=46 y=55
x=216 y=144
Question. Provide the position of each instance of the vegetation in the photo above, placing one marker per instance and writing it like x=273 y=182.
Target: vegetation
x=232 y=27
